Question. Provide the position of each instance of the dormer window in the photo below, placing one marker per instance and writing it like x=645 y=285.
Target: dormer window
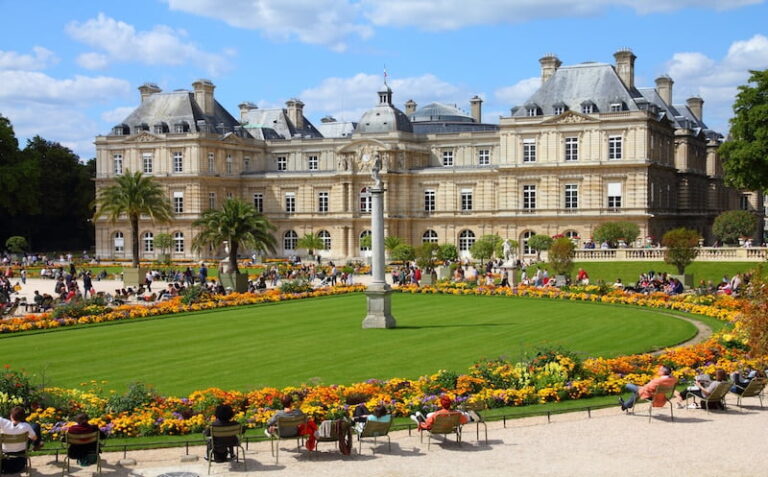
x=588 y=107
x=139 y=128
x=160 y=128
x=559 y=108
x=121 y=130
x=617 y=107
x=182 y=127
x=532 y=110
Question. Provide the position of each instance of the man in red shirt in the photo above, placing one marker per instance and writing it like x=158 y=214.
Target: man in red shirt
x=664 y=378
x=445 y=402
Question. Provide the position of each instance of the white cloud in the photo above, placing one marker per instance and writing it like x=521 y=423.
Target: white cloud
x=40 y=59
x=716 y=81
x=66 y=125
x=35 y=87
x=517 y=93
x=454 y=14
x=120 y=42
x=114 y=116
x=318 y=22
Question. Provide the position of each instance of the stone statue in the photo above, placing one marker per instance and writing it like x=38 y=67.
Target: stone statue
x=507 y=250
x=375 y=169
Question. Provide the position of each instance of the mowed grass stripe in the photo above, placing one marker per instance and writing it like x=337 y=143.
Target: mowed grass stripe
x=321 y=340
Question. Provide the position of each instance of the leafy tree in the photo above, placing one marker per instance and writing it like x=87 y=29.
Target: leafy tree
x=311 y=242
x=366 y=241
x=561 y=255
x=484 y=248
x=16 y=244
x=426 y=254
x=391 y=242
x=163 y=242
x=134 y=195
x=682 y=247
x=403 y=253
x=240 y=225
x=745 y=155
x=447 y=251
x=612 y=232
x=754 y=314
x=540 y=242
x=732 y=224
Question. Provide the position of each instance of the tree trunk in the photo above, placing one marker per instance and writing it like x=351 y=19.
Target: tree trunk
x=233 y=246
x=134 y=240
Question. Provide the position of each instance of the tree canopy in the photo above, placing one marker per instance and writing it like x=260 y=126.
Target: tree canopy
x=681 y=247
x=311 y=242
x=613 y=232
x=745 y=154
x=732 y=224
x=561 y=255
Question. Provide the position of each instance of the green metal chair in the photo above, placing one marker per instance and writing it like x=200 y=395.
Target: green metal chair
x=15 y=439
x=219 y=432
x=374 y=429
x=444 y=424
x=755 y=388
x=286 y=428
x=82 y=439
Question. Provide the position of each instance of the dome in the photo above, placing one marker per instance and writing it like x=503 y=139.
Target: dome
x=384 y=118
x=439 y=112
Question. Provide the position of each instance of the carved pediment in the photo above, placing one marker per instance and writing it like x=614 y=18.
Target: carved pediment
x=232 y=138
x=144 y=136
x=359 y=156
x=570 y=117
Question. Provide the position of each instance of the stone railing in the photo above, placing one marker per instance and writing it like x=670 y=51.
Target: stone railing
x=706 y=254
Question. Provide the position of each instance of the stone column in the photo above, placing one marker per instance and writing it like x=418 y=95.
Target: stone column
x=378 y=292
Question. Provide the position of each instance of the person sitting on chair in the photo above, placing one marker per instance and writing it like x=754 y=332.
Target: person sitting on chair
x=379 y=414
x=742 y=379
x=446 y=403
x=664 y=378
x=703 y=387
x=84 y=453
x=223 y=447
x=17 y=425
x=288 y=411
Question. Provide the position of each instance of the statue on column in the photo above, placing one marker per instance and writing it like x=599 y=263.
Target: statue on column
x=375 y=170
x=507 y=250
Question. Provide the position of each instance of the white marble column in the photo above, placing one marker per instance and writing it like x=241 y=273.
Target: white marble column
x=378 y=292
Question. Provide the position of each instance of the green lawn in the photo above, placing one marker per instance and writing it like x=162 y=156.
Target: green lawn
x=320 y=340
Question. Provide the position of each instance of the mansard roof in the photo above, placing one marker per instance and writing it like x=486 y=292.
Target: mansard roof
x=440 y=112
x=275 y=124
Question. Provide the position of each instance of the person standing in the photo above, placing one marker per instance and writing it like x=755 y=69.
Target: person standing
x=203 y=273
x=87 y=284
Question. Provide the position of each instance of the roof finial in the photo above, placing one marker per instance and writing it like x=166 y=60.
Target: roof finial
x=385 y=74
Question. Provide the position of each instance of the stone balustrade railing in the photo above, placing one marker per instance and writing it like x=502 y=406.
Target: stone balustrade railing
x=706 y=254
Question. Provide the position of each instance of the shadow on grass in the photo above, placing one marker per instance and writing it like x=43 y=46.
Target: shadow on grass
x=460 y=325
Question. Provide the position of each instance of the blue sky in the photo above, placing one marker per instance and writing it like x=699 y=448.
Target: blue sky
x=69 y=70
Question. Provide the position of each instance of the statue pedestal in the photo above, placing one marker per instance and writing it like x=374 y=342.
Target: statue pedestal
x=379 y=307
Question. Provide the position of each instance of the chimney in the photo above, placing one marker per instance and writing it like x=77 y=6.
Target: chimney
x=664 y=88
x=696 y=105
x=410 y=107
x=204 y=95
x=549 y=64
x=245 y=106
x=295 y=112
x=476 y=105
x=148 y=89
x=625 y=66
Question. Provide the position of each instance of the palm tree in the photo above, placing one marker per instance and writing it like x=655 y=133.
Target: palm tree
x=134 y=195
x=311 y=242
x=240 y=225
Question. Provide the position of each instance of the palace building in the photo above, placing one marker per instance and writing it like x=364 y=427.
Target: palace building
x=588 y=147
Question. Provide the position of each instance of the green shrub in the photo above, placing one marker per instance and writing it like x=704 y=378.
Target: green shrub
x=92 y=306
x=194 y=294
x=295 y=286
x=138 y=395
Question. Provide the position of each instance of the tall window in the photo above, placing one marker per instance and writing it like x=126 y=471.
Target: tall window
x=146 y=163
x=466 y=240
x=363 y=234
x=614 y=147
x=211 y=162
x=571 y=149
x=290 y=240
x=149 y=241
x=744 y=202
x=178 y=242
x=571 y=234
x=529 y=150
x=211 y=200
x=429 y=236
x=229 y=162
x=527 y=250
x=117 y=161
x=322 y=201
x=614 y=195
x=282 y=163
x=447 y=158
x=484 y=157
x=466 y=199
x=365 y=200
x=119 y=242
x=312 y=163
x=258 y=202
x=571 y=196
x=325 y=236
x=178 y=162
x=178 y=202
x=246 y=163
x=290 y=202
x=429 y=200
x=529 y=197
x=230 y=195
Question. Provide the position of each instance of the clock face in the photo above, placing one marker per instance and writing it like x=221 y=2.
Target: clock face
x=366 y=157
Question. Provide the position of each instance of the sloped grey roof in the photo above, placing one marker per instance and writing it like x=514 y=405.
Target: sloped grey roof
x=573 y=85
x=277 y=120
x=337 y=129
x=445 y=127
x=180 y=106
x=440 y=112
x=383 y=118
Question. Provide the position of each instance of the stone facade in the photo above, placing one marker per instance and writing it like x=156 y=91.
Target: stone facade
x=589 y=147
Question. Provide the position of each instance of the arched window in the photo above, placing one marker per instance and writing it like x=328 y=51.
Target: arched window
x=365 y=200
x=325 y=236
x=429 y=236
x=571 y=234
x=290 y=240
x=524 y=239
x=466 y=240
x=119 y=241
x=178 y=242
x=363 y=234
x=149 y=241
